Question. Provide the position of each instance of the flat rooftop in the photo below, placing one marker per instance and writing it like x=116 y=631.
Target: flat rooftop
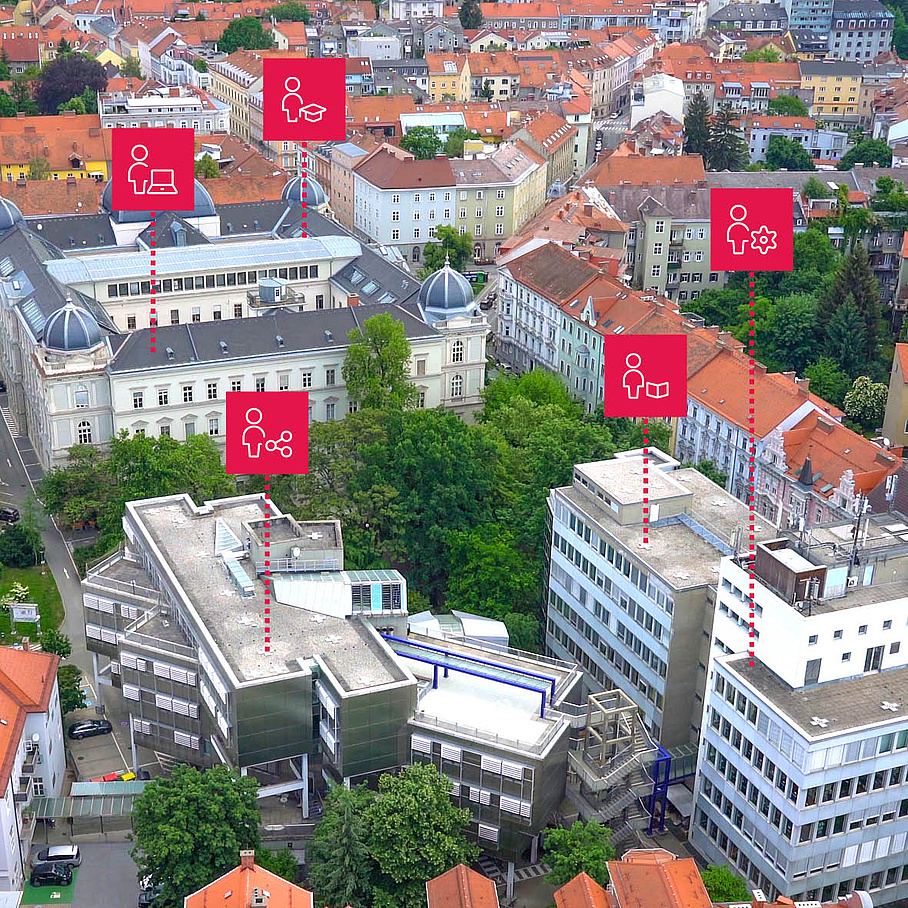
x=186 y=542
x=311 y=535
x=677 y=553
x=846 y=705
x=622 y=479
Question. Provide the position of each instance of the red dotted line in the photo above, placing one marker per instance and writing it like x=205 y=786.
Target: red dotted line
x=645 y=480
x=752 y=453
x=304 y=163
x=268 y=564
x=153 y=317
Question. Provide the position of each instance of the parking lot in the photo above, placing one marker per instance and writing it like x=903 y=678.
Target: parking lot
x=107 y=876
x=102 y=754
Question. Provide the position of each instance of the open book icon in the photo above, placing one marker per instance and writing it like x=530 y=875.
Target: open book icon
x=657 y=390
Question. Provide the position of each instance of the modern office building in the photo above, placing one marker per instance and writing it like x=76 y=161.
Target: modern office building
x=336 y=689
x=801 y=778
x=638 y=616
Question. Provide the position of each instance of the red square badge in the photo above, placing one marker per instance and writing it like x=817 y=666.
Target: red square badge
x=267 y=432
x=751 y=229
x=153 y=170
x=645 y=375
x=305 y=99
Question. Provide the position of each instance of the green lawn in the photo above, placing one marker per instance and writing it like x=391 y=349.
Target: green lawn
x=49 y=895
x=42 y=591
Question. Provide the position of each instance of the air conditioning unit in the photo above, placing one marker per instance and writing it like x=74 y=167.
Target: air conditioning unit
x=852 y=582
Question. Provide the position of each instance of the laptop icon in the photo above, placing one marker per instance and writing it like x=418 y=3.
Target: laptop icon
x=163 y=182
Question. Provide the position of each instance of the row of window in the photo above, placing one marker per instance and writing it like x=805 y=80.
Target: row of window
x=417 y=196
x=446 y=214
x=208 y=281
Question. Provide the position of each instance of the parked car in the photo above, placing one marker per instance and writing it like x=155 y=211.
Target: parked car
x=9 y=515
x=51 y=875
x=64 y=855
x=88 y=728
x=148 y=896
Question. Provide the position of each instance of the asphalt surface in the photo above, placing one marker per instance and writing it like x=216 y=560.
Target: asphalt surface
x=107 y=876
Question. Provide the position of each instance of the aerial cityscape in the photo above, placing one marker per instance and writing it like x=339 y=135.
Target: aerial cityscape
x=454 y=454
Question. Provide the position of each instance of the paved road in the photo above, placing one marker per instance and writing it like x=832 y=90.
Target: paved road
x=107 y=876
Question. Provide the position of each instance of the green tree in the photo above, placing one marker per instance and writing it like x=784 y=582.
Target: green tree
x=280 y=862
x=865 y=403
x=855 y=278
x=451 y=246
x=827 y=380
x=65 y=78
x=415 y=834
x=206 y=167
x=724 y=885
x=200 y=65
x=64 y=47
x=455 y=140
x=75 y=104
x=726 y=149
x=471 y=14
x=846 y=340
x=5 y=74
x=765 y=55
x=17 y=549
x=131 y=68
x=788 y=335
x=38 y=169
x=290 y=11
x=709 y=469
x=696 y=126
x=868 y=151
x=69 y=683
x=899 y=32
x=21 y=93
x=787 y=154
x=487 y=91
x=32 y=521
x=56 y=642
x=376 y=368
x=7 y=105
x=582 y=848
x=188 y=829
x=90 y=100
x=814 y=189
x=787 y=106
x=340 y=866
x=245 y=33
x=199 y=17
x=422 y=142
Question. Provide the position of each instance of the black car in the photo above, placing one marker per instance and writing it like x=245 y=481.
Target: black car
x=88 y=728
x=9 y=515
x=51 y=875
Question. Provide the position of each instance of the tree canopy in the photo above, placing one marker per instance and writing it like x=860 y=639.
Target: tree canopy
x=65 y=78
x=582 y=848
x=289 y=11
x=189 y=828
x=206 y=167
x=246 y=33
x=376 y=369
x=696 y=126
x=455 y=140
x=131 y=68
x=726 y=149
x=724 y=885
x=787 y=106
x=867 y=151
x=787 y=154
x=450 y=244
x=422 y=142
x=471 y=14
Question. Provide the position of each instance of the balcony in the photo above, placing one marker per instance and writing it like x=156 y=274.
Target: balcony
x=31 y=761
x=285 y=297
x=291 y=565
x=23 y=793
x=673 y=266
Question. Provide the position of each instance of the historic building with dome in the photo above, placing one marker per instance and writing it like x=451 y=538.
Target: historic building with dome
x=249 y=296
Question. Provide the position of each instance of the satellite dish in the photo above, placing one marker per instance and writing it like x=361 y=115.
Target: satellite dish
x=295 y=551
x=36 y=738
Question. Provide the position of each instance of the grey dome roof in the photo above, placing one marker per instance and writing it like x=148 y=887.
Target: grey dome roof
x=9 y=214
x=447 y=290
x=71 y=328
x=203 y=207
x=315 y=196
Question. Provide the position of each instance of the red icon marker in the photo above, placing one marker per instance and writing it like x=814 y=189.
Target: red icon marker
x=751 y=230
x=645 y=375
x=267 y=432
x=305 y=99
x=153 y=170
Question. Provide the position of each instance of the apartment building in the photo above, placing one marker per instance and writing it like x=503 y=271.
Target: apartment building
x=494 y=76
x=342 y=694
x=813 y=15
x=345 y=158
x=895 y=421
x=636 y=617
x=821 y=144
x=33 y=754
x=69 y=146
x=400 y=201
x=416 y=9
x=861 y=30
x=450 y=78
x=180 y=107
x=755 y=18
x=554 y=140
x=836 y=86
x=681 y=21
x=802 y=763
x=692 y=65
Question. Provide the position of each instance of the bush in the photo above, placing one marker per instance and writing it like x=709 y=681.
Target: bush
x=17 y=547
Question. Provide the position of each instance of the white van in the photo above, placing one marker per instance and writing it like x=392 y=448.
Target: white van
x=61 y=854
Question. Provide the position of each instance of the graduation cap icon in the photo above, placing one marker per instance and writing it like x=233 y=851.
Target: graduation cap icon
x=314 y=112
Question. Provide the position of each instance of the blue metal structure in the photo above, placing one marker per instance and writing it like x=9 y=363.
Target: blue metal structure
x=439 y=657
x=669 y=768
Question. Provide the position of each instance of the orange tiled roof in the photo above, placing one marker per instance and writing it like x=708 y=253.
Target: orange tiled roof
x=783 y=123
x=643 y=879
x=365 y=110
x=550 y=131
x=37 y=197
x=494 y=63
x=611 y=171
x=833 y=449
x=54 y=139
x=26 y=683
x=539 y=9
x=901 y=351
x=234 y=890
x=461 y=887
x=583 y=892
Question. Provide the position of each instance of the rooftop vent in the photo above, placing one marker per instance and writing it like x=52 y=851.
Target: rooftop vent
x=170 y=353
x=818 y=722
x=314 y=535
x=329 y=337
x=255 y=224
x=279 y=339
x=891 y=707
x=223 y=347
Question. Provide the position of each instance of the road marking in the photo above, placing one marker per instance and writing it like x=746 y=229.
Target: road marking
x=66 y=572
x=10 y=422
x=9 y=462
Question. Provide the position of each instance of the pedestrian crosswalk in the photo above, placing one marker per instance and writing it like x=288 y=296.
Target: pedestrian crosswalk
x=10 y=422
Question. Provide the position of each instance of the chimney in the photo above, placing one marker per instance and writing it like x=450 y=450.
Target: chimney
x=791 y=376
x=724 y=337
x=175 y=92
x=352 y=299
x=26 y=644
x=247 y=859
x=803 y=385
x=759 y=368
x=69 y=113
x=588 y=209
x=20 y=115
